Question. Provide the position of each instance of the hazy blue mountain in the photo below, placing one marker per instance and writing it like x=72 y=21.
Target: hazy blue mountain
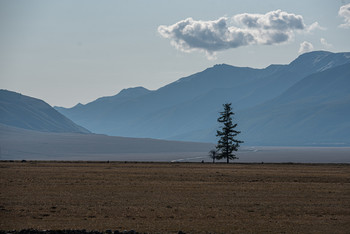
x=94 y=109
x=188 y=108
x=99 y=114
x=314 y=111
x=30 y=113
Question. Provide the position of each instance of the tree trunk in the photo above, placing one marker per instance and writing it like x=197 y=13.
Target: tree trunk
x=227 y=156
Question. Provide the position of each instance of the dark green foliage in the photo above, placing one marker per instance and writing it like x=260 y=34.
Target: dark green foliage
x=227 y=133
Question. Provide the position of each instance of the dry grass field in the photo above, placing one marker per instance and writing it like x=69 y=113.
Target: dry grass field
x=167 y=198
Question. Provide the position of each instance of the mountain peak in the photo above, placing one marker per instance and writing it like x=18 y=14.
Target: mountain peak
x=316 y=53
x=78 y=105
x=319 y=61
x=221 y=65
x=122 y=96
x=133 y=92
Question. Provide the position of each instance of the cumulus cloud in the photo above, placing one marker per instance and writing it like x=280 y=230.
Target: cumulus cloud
x=274 y=27
x=325 y=43
x=344 y=12
x=305 y=46
x=210 y=36
x=274 y=20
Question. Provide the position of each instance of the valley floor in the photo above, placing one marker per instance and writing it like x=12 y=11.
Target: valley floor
x=169 y=197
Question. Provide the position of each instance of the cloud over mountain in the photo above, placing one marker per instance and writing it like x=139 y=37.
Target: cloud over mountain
x=325 y=43
x=274 y=27
x=305 y=46
x=344 y=12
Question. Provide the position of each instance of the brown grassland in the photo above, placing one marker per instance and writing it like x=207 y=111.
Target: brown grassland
x=169 y=197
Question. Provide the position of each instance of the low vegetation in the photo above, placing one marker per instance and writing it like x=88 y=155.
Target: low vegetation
x=169 y=197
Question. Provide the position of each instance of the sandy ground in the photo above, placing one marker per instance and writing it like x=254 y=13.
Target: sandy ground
x=169 y=197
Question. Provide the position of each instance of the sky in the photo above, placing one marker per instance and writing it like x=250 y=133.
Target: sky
x=69 y=52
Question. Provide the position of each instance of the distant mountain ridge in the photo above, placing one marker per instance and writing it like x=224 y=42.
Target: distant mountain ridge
x=101 y=107
x=187 y=109
x=30 y=113
x=315 y=111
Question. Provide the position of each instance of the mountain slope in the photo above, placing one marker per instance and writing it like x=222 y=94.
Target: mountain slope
x=187 y=108
x=316 y=110
x=30 y=113
x=107 y=112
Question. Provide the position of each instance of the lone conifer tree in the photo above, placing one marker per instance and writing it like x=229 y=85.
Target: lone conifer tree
x=227 y=142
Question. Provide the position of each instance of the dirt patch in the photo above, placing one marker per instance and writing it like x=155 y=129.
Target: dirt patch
x=164 y=197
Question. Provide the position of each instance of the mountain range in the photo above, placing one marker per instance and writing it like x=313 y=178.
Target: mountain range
x=32 y=129
x=306 y=102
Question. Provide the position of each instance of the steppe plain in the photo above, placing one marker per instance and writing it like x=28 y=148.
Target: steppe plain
x=169 y=197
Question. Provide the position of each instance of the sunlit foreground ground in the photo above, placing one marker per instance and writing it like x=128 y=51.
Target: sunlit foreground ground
x=169 y=197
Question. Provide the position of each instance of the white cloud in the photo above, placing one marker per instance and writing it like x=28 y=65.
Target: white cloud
x=305 y=46
x=272 y=28
x=314 y=26
x=325 y=43
x=273 y=20
x=210 y=36
x=344 y=12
